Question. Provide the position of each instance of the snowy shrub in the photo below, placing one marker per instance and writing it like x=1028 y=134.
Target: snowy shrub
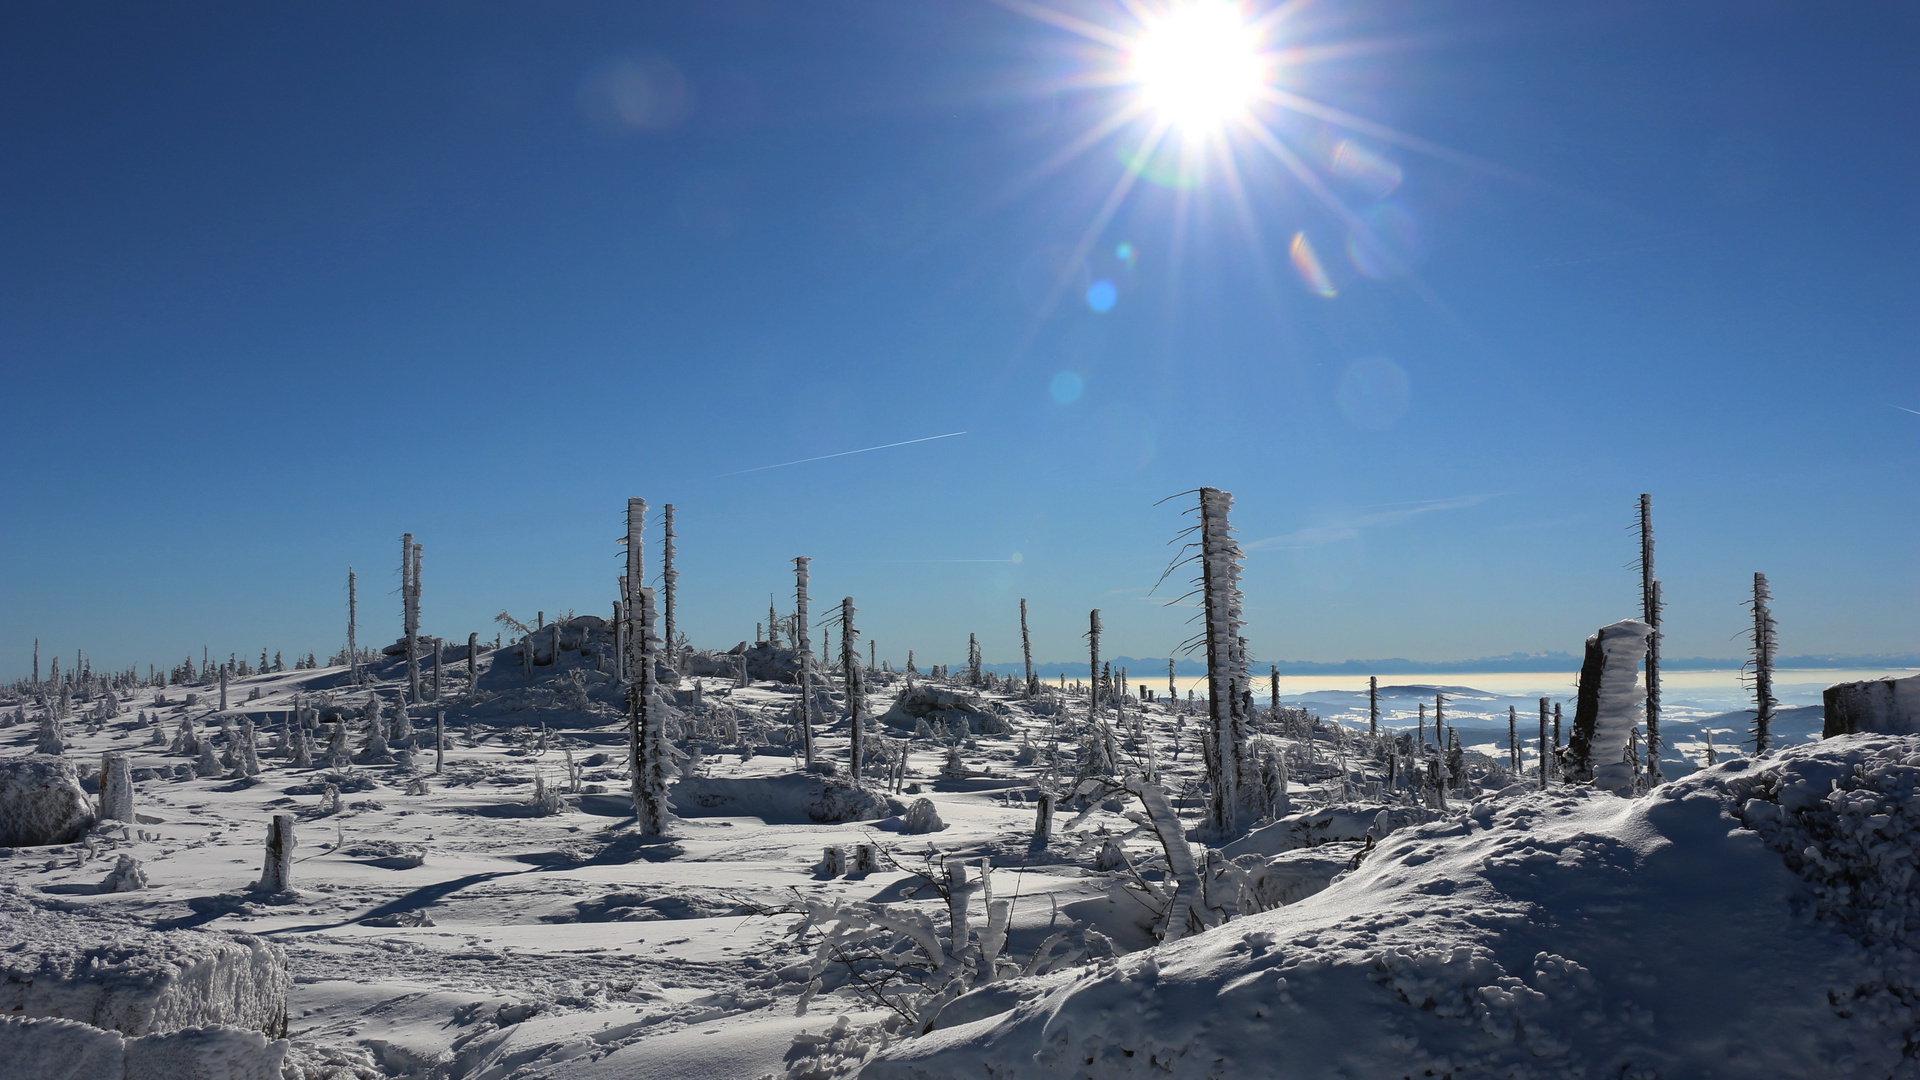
x=921 y=817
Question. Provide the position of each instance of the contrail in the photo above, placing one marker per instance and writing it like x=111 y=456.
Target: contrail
x=843 y=453
x=1903 y=408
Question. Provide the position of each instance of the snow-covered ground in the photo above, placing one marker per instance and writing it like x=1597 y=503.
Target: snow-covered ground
x=448 y=921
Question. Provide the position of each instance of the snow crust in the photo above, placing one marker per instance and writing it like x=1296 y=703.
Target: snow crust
x=41 y=802
x=120 y=976
x=1555 y=934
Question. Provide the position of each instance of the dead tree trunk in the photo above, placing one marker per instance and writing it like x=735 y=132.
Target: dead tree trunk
x=803 y=652
x=1650 y=614
x=1093 y=665
x=1764 y=644
x=1543 y=744
x=646 y=723
x=1513 y=741
x=668 y=579
x=276 y=872
x=1373 y=705
x=1226 y=662
x=631 y=583
x=473 y=669
x=1026 y=651
x=353 y=647
x=850 y=660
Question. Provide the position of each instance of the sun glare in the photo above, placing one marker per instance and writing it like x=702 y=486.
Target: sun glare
x=1198 y=64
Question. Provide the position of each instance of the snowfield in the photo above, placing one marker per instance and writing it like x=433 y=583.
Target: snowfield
x=483 y=910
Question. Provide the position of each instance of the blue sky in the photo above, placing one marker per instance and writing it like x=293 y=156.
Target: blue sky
x=280 y=283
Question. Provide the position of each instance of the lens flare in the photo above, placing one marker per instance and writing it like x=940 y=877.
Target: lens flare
x=1066 y=387
x=1307 y=265
x=1373 y=173
x=1198 y=64
x=1101 y=296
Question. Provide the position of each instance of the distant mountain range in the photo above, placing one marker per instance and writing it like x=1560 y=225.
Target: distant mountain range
x=1152 y=667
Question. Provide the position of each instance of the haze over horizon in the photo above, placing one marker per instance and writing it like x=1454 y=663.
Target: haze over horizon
x=852 y=281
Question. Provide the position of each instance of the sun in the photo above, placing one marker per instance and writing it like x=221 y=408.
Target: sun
x=1198 y=64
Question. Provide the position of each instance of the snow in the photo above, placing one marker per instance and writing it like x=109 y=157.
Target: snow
x=435 y=929
x=1550 y=934
x=41 y=802
x=1885 y=705
x=53 y=1049
x=113 y=974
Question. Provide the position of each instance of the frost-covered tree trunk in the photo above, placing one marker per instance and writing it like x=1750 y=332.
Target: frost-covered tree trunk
x=850 y=660
x=1226 y=662
x=773 y=625
x=223 y=690
x=973 y=659
x=353 y=618
x=1026 y=651
x=1093 y=665
x=803 y=651
x=473 y=664
x=116 y=788
x=1513 y=741
x=1605 y=711
x=669 y=577
x=409 y=553
x=649 y=750
x=276 y=872
x=1373 y=705
x=1763 y=649
x=439 y=741
x=439 y=652
x=636 y=577
x=1650 y=614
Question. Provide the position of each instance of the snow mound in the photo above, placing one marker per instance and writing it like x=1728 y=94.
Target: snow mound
x=53 y=1049
x=1327 y=825
x=789 y=799
x=941 y=707
x=1549 y=934
x=125 y=978
x=41 y=802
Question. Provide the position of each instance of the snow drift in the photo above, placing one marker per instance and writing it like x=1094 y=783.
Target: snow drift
x=1749 y=920
x=120 y=976
x=792 y=799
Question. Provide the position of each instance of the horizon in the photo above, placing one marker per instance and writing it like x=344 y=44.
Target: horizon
x=891 y=287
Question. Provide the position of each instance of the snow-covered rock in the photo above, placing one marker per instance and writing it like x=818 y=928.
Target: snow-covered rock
x=939 y=707
x=1551 y=934
x=117 y=975
x=41 y=802
x=789 y=799
x=1888 y=706
x=1326 y=825
x=55 y=1049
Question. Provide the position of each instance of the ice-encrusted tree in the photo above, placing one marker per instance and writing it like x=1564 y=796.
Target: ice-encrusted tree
x=973 y=660
x=1026 y=651
x=1219 y=587
x=410 y=610
x=649 y=752
x=1764 y=644
x=276 y=870
x=1605 y=711
x=1650 y=614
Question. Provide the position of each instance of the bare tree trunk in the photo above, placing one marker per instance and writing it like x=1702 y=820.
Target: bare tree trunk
x=803 y=646
x=1650 y=614
x=438 y=656
x=473 y=668
x=353 y=613
x=1763 y=648
x=850 y=660
x=1093 y=665
x=276 y=872
x=409 y=554
x=1026 y=651
x=635 y=578
x=1513 y=741
x=647 y=729
x=668 y=577
x=1543 y=744
x=1373 y=705
x=439 y=741
x=1273 y=693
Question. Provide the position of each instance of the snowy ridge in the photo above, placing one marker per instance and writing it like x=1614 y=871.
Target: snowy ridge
x=1565 y=933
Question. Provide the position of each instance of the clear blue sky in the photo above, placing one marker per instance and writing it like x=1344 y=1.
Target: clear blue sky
x=280 y=282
